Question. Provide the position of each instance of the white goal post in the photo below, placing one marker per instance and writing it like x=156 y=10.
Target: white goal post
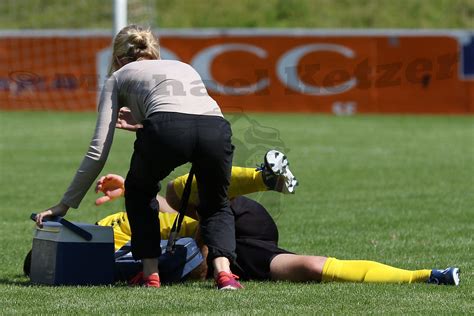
x=120 y=15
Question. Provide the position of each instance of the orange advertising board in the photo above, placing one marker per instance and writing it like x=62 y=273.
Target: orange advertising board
x=338 y=72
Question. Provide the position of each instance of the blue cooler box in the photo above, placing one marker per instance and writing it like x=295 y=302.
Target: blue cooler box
x=61 y=256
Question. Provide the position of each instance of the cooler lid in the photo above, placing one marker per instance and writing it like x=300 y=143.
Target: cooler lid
x=57 y=232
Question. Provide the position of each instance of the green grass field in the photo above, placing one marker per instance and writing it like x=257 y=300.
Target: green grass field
x=89 y=14
x=395 y=189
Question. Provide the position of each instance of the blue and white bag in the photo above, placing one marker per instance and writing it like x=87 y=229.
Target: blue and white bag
x=173 y=267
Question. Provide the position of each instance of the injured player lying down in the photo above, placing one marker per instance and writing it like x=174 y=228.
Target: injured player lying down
x=258 y=254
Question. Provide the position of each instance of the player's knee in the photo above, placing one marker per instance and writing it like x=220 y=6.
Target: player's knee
x=313 y=266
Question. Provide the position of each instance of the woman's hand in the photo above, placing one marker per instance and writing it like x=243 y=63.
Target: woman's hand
x=112 y=185
x=57 y=210
x=126 y=121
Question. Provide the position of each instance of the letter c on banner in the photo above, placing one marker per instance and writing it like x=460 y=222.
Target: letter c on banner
x=203 y=61
x=287 y=69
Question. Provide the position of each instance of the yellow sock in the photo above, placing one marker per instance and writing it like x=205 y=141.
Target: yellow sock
x=370 y=271
x=243 y=181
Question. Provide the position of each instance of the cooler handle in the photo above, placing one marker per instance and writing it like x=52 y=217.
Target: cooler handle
x=71 y=226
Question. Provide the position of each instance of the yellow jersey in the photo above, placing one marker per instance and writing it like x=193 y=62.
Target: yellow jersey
x=122 y=233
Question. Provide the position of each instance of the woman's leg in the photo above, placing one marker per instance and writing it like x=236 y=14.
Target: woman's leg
x=144 y=220
x=212 y=161
x=313 y=268
x=157 y=151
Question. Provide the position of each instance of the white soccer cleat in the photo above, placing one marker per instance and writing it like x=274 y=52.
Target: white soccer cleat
x=277 y=174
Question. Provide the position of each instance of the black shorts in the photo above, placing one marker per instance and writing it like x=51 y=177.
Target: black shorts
x=257 y=240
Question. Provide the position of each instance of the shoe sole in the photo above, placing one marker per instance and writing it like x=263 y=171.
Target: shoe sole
x=278 y=163
x=229 y=288
x=455 y=275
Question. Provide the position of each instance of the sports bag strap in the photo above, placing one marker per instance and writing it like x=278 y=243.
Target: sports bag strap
x=182 y=211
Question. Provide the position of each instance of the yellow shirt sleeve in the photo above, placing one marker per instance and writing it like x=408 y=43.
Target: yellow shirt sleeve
x=121 y=227
x=188 y=227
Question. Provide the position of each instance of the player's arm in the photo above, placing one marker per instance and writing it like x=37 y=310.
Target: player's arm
x=164 y=206
x=174 y=193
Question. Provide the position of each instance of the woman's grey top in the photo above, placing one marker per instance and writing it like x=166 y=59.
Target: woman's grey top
x=145 y=87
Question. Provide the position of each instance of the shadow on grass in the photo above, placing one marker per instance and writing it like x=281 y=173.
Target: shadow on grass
x=19 y=280
x=196 y=284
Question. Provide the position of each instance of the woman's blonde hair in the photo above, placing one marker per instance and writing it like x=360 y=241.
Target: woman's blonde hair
x=133 y=43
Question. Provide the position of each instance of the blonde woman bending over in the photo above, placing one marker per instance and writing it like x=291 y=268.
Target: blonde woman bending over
x=176 y=122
